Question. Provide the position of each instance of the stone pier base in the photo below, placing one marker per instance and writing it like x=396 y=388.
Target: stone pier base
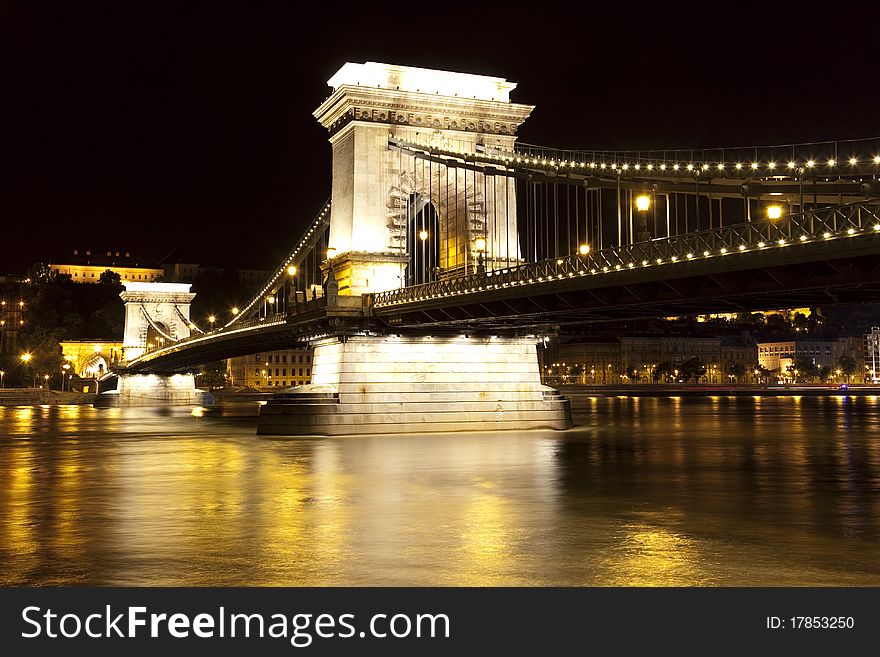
x=390 y=384
x=155 y=390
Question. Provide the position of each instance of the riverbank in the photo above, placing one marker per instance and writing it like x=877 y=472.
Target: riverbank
x=40 y=396
x=742 y=390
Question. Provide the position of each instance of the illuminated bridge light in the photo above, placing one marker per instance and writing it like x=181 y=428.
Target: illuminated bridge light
x=810 y=164
x=630 y=265
x=690 y=255
x=674 y=258
x=659 y=261
x=723 y=250
x=690 y=167
x=792 y=164
x=705 y=167
x=803 y=238
x=877 y=159
x=826 y=235
x=705 y=253
x=771 y=165
x=876 y=226
x=742 y=247
x=617 y=266
x=754 y=165
x=720 y=166
x=662 y=167
x=832 y=162
x=644 y=263
x=781 y=242
x=851 y=231
x=738 y=166
x=853 y=161
x=675 y=166
x=761 y=245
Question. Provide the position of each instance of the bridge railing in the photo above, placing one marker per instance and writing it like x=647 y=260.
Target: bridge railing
x=829 y=223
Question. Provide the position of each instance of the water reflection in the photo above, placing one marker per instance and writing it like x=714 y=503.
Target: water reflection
x=647 y=492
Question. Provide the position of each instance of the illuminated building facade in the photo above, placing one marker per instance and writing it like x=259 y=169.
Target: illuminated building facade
x=90 y=358
x=87 y=266
x=290 y=367
x=12 y=312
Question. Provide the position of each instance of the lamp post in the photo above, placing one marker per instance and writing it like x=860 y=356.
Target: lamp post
x=212 y=319
x=46 y=379
x=2 y=375
x=291 y=271
x=643 y=204
x=480 y=248
x=26 y=359
x=64 y=369
x=423 y=272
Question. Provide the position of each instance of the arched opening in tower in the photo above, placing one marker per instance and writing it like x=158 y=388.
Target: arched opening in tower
x=422 y=240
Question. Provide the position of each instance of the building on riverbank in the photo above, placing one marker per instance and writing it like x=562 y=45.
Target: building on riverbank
x=650 y=359
x=286 y=368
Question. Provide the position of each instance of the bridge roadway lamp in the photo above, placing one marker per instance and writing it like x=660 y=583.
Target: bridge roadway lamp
x=584 y=249
x=212 y=319
x=291 y=271
x=774 y=211
x=643 y=204
x=235 y=310
x=480 y=247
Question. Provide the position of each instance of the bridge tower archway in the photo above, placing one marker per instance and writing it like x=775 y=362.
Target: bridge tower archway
x=422 y=241
x=373 y=113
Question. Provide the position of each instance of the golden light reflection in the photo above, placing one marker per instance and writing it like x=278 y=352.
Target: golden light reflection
x=650 y=555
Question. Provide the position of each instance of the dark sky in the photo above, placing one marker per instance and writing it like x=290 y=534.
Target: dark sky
x=145 y=126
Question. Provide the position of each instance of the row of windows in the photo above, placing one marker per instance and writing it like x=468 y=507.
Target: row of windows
x=283 y=371
x=282 y=358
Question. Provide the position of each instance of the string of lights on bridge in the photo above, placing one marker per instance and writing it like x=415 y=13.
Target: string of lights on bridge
x=288 y=267
x=620 y=165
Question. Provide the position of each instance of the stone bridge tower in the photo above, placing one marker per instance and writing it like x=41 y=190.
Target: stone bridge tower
x=376 y=187
x=155 y=313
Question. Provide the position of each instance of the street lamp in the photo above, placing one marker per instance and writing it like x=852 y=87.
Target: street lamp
x=235 y=310
x=643 y=203
x=291 y=271
x=46 y=379
x=212 y=319
x=584 y=249
x=480 y=247
x=423 y=274
x=64 y=369
x=2 y=374
x=774 y=211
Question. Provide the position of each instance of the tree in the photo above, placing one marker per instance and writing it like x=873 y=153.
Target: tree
x=847 y=365
x=213 y=375
x=762 y=373
x=692 y=368
x=663 y=370
x=737 y=369
x=805 y=368
x=108 y=277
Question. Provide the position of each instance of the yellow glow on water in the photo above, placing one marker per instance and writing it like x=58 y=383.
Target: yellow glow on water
x=649 y=555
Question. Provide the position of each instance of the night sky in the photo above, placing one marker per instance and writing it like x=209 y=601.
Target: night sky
x=144 y=127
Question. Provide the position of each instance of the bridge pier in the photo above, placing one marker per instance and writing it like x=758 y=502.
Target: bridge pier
x=404 y=384
x=155 y=390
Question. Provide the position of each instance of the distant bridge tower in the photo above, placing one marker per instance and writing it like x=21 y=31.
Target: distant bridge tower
x=155 y=313
x=399 y=220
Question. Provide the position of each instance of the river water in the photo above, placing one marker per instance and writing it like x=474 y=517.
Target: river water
x=643 y=491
